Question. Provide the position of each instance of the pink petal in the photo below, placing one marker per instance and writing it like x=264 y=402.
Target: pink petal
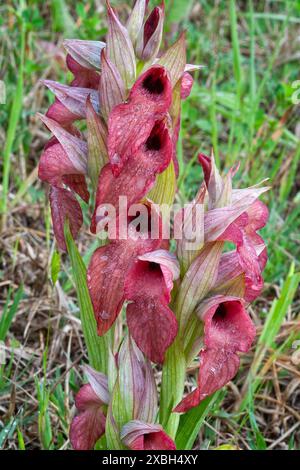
x=85 y=53
x=130 y=124
x=73 y=98
x=158 y=441
x=119 y=48
x=99 y=383
x=186 y=85
x=64 y=206
x=112 y=88
x=89 y=425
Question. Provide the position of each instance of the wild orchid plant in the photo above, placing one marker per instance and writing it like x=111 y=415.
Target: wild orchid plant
x=180 y=304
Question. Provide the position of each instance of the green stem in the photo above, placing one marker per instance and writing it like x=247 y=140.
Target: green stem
x=172 y=387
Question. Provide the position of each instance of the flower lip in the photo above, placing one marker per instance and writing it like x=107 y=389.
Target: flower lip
x=153 y=142
x=220 y=312
x=153 y=83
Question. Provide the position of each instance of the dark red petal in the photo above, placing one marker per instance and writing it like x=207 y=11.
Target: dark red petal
x=87 y=397
x=64 y=206
x=151 y=323
x=56 y=168
x=105 y=277
x=85 y=78
x=54 y=164
x=158 y=441
x=206 y=166
x=78 y=184
x=151 y=24
x=216 y=369
x=89 y=425
x=130 y=124
x=61 y=114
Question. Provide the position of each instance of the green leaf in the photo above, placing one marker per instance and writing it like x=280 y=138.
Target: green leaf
x=97 y=346
x=55 y=267
x=9 y=313
x=172 y=386
x=191 y=422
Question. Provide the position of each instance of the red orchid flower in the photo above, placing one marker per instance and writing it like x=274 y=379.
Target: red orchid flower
x=227 y=330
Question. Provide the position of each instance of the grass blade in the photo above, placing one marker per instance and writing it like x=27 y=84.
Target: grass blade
x=9 y=313
x=13 y=123
x=191 y=422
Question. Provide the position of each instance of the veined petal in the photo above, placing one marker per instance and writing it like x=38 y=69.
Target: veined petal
x=138 y=435
x=213 y=179
x=105 y=276
x=97 y=143
x=190 y=220
x=174 y=59
x=136 y=20
x=130 y=124
x=54 y=164
x=74 y=98
x=89 y=425
x=75 y=148
x=56 y=168
x=119 y=48
x=136 y=383
x=64 y=206
x=198 y=281
x=86 y=53
x=112 y=89
x=98 y=382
